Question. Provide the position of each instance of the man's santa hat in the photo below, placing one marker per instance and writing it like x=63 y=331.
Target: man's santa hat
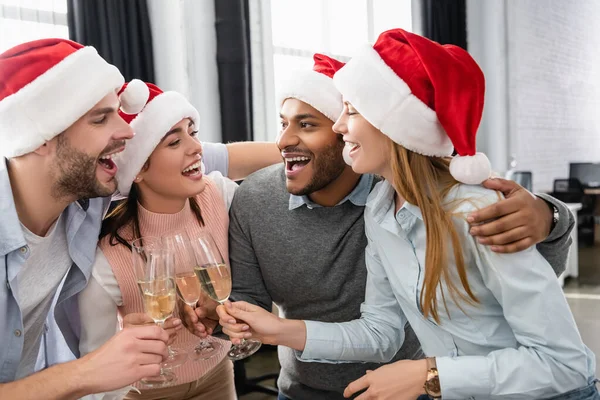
x=159 y=113
x=314 y=87
x=424 y=96
x=45 y=86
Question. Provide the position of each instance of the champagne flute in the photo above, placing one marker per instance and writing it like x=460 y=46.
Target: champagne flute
x=188 y=286
x=215 y=278
x=153 y=266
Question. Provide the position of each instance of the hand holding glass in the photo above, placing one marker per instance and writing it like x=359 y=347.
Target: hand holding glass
x=215 y=278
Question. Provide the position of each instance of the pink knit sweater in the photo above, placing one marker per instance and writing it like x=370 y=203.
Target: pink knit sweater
x=216 y=221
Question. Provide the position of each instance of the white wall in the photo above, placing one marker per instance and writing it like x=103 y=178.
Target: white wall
x=554 y=85
x=542 y=67
x=184 y=42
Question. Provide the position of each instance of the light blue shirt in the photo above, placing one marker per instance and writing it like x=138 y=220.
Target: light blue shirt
x=358 y=196
x=519 y=342
x=60 y=342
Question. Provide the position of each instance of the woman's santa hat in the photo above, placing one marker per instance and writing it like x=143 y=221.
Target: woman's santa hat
x=159 y=113
x=45 y=86
x=314 y=87
x=426 y=97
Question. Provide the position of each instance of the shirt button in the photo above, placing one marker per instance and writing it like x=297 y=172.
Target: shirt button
x=17 y=333
x=23 y=249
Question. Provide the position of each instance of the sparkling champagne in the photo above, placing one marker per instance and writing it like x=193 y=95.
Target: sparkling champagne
x=215 y=280
x=159 y=298
x=188 y=287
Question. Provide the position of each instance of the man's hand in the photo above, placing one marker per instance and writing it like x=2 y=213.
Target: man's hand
x=132 y=354
x=201 y=321
x=520 y=221
x=171 y=326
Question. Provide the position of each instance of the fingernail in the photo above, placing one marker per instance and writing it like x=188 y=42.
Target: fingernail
x=495 y=248
x=176 y=322
x=473 y=231
x=247 y=335
x=245 y=327
x=481 y=240
x=231 y=321
x=470 y=219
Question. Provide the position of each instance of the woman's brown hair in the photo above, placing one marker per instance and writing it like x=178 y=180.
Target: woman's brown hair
x=425 y=182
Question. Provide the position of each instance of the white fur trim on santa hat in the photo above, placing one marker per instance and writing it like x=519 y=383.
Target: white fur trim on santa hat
x=312 y=88
x=134 y=97
x=54 y=101
x=471 y=170
x=150 y=126
x=387 y=102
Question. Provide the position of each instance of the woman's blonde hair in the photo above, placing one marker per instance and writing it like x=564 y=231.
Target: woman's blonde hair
x=425 y=182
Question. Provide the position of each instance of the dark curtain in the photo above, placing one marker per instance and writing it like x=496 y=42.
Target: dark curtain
x=445 y=21
x=119 y=30
x=233 y=62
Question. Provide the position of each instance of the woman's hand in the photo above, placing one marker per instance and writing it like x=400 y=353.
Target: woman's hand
x=242 y=320
x=402 y=380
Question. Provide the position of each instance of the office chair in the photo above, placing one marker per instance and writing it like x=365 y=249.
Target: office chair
x=244 y=385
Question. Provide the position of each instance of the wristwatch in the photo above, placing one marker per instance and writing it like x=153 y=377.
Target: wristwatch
x=432 y=383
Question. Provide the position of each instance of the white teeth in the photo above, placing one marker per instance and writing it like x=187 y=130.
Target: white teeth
x=295 y=159
x=110 y=156
x=193 y=166
x=351 y=145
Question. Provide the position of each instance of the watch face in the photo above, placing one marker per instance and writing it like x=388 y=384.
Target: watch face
x=432 y=385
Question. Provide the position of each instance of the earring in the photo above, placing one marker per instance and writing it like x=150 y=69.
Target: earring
x=137 y=179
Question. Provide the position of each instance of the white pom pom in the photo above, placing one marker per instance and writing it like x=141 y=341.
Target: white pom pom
x=134 y=97
x=471 y=170
x=346 y=154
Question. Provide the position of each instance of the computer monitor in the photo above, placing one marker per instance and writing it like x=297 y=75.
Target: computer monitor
x=587 y=173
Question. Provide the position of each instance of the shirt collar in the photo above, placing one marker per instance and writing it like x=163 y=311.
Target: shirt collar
x=381 y=205
x=358 y=196
x=11 y=235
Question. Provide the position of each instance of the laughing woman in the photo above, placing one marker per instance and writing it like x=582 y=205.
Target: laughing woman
x=493 y=326
x=161 y=176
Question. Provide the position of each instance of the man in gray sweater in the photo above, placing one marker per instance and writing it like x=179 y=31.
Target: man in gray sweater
x=297 y=232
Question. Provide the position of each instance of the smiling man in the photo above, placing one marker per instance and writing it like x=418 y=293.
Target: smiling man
x=59 y=129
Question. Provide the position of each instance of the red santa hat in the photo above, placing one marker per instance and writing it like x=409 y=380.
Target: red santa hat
x=314 y=87
x=159 y=113
x=424 y=96
x=45 y=86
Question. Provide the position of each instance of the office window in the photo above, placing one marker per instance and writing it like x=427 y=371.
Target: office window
x=25 y=20
x=292 y=31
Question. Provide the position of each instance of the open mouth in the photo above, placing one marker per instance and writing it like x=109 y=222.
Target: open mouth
x=107 y=163
x=352 y=147
x=294 y=165
x=193 y=170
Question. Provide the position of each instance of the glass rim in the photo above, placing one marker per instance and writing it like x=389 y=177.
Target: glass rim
x=135 y=242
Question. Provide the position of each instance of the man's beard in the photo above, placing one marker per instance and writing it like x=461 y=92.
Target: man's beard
x=76 y=173
x=327 y=167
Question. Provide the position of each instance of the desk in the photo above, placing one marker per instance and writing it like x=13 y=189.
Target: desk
x=572 y=269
